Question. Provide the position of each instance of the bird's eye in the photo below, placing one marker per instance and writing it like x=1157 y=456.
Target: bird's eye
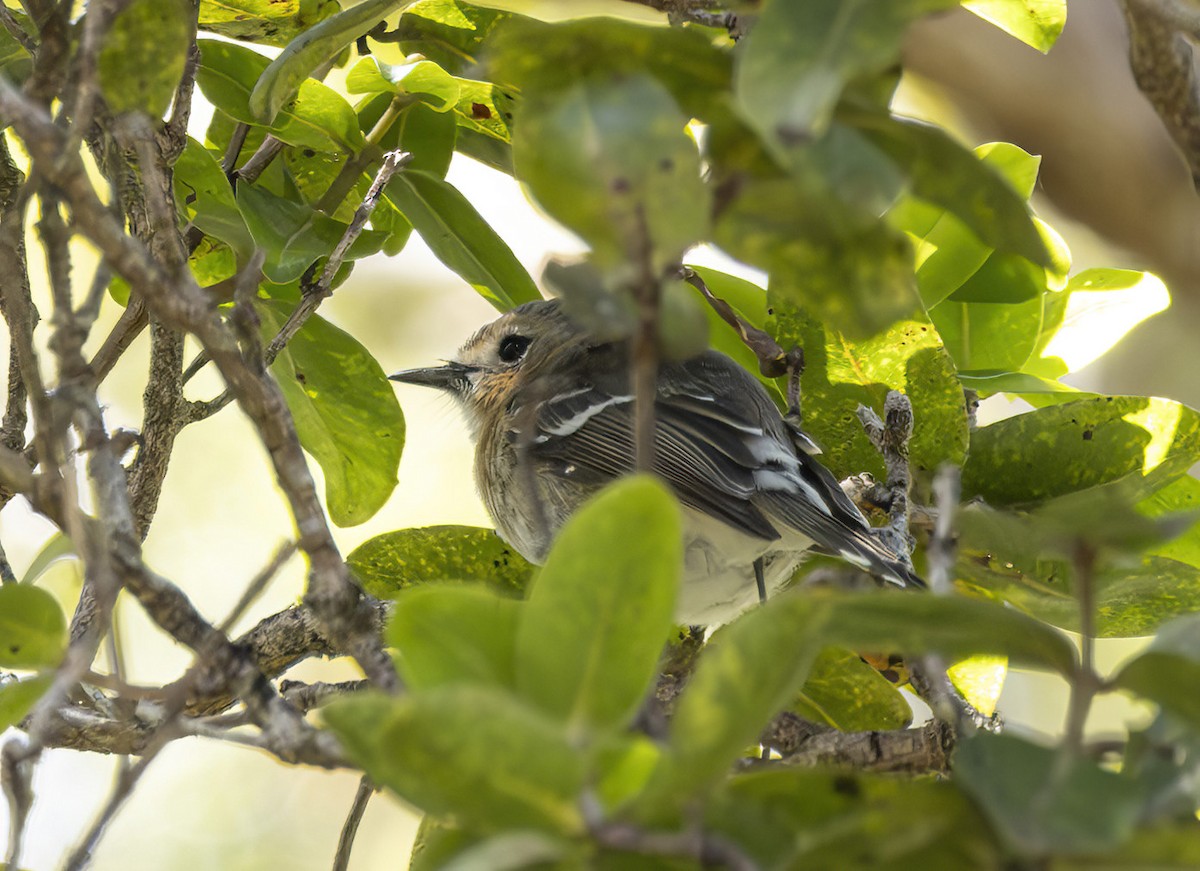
x=512 y=348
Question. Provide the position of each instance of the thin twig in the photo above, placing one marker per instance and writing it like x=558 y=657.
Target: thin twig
x=249 y=171
x=341 y=859
x=313 y=296
x=943 y=545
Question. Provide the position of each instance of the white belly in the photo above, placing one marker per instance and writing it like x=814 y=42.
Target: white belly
x=718 y=573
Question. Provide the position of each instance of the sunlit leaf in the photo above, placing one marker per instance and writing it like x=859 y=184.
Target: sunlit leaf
x=1037 y=23
x=394 y=561
x=268 y=22
x=280 y=81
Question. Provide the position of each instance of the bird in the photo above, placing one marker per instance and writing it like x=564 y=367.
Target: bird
x=550 y=408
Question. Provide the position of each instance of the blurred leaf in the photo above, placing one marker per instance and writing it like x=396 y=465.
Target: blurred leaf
x=511 y=850
x=946 y=174
x=345 y=411
x=817 y=232
x=1161 y=847
x=279 y=82
x=212 y=261
x=1178 y=496
x=484 y=108
x=792 y=67
x=954 y=626
x=268 y=22
x=143 y=54
x=449 y=32
x=625 y=763
x=452 y=635
x=612 y=162
x=846 y=693
x=33 y=630
x=1003 y=278
x=759 y=663
x=293 y=236
x=1168 y=672
x=203 y=194
x=1070 y=447
x=467 y=752
x=1042 y=802
x=841 y=373
x=1037 y=23
x=11 y=51
x=19 y=696
x=601 y=608
x=980 y=680
x=1024 y=559
x=317 y=118
x=392 y=562
x=461 y=239
x=57 y=547
x=788 y=818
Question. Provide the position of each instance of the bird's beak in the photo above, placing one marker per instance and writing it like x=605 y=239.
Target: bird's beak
x=452 y=376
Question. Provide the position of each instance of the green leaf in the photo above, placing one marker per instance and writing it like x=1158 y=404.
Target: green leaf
x=989 y=382
x=345 y=411
x=792 y=67
x=954 y=626
x=1168 y=673
x=11 y=51
x=484 y=108
x=268 y=22
x=449 y=32
x=601 y=608
x=204 y=196
x=980 y=680
x=1025 y=559
x=841 y=373
x=280 y=81
x=143 y=54
x=1037 y=23
x=461 y=239
x=469 y=752
x=33 y=630
x=422 y=78
x=318 y=118
x=1042 y=802
x=293 y=236
x=846 y=693
x=19 y=696
x=451 y=635
x=392 y=562
x=995 y=336
x=789 y=818
x=611 y=161
x=946 y=174
x=1076 y=445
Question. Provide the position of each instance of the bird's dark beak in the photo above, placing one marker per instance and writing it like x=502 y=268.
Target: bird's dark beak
x=451 y=377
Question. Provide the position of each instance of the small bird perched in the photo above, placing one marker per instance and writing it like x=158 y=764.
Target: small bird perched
x=538 y=390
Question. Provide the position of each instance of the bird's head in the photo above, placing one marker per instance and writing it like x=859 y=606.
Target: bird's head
x=506 y=359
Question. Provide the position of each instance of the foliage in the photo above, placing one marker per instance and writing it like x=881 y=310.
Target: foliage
x=896 y=257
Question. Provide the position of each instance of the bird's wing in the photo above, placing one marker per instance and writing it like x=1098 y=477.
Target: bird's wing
x=722 y=445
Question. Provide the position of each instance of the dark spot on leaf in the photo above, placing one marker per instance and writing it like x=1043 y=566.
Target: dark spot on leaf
x=496 y=563
x=770 y=310
x=308 y=152
x=620 y=185
x=300 y=377
x=1087 y=435
x=14 y=648
x=846 y=786
x=666 y=164
x=891 y=675
x=480 y=111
